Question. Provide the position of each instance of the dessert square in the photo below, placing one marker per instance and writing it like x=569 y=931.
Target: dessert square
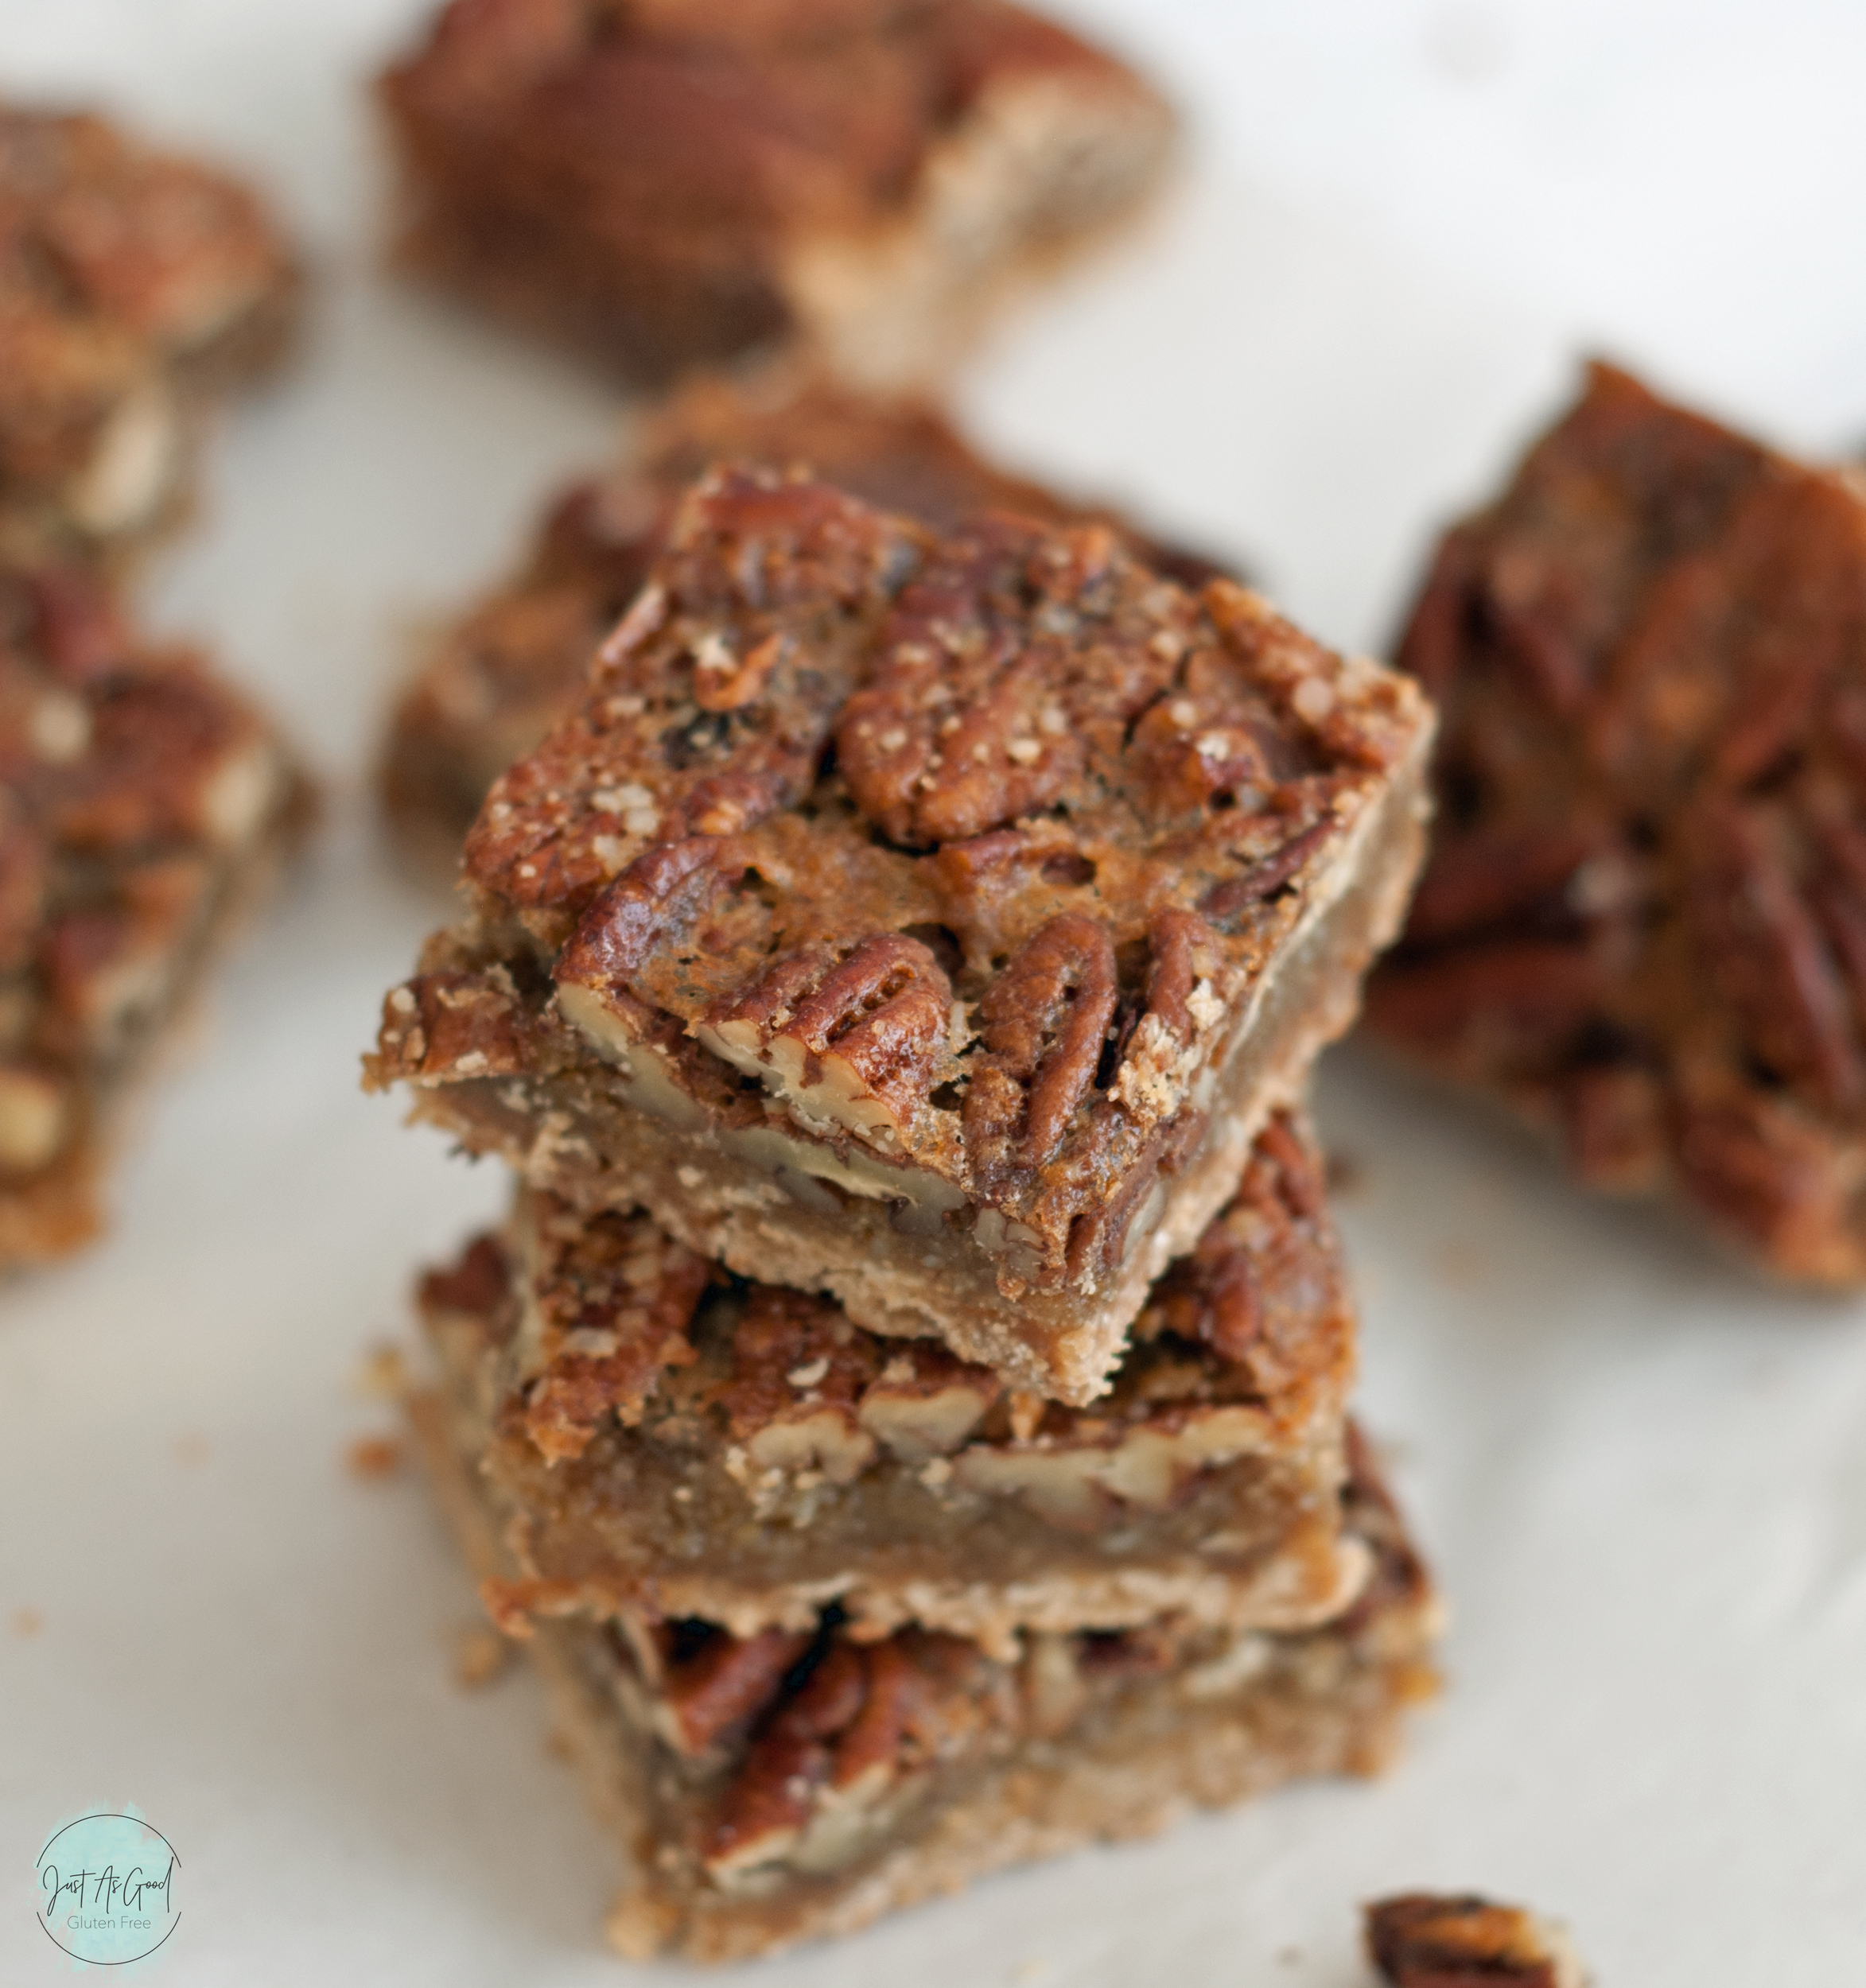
x=135 y=285
x=785 y=1786
x=144 y=804
x=668 y=185
x=934 y=921
x=498 y=679
x=1643 y=923
x=660 y=1438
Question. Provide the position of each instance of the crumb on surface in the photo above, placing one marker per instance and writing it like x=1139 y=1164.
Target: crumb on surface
x=371 y=1457
x=383 y=1373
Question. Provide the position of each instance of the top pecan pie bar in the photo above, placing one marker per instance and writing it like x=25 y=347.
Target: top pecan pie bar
x=500 y=677
x=669 y=183
x=934 y=920
x=1644 y=920
x=132 y=284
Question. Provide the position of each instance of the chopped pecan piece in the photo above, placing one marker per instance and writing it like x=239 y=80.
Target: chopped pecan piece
x=612 y=1299
x=1419 y=1940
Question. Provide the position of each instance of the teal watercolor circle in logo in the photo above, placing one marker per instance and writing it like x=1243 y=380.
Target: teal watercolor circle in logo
x=107 y=1886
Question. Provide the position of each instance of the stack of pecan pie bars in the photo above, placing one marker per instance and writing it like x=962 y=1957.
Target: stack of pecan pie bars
x=904 y=1410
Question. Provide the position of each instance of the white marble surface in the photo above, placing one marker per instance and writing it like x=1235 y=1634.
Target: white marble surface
x=1643 y=1479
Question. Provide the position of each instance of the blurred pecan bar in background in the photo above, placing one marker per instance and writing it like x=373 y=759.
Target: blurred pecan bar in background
x=1644 y=920
x=135 y=285
x=498 y=679
x=669 y=183
x=793 y=1782
x=143 y=805
x=1421 y=1940
x=662 y=1437
x=934 y=921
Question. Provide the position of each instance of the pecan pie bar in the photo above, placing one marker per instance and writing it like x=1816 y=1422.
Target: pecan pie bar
x=133 y=286
x=1419 y=1941
x=932 y=920
x=498 y=680
x=791 y=1784
x=143 y=804
x=669 y=183
x=1644 y=920
x=666 y=1438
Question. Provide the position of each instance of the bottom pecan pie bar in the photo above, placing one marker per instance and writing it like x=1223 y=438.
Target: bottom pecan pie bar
x=143 y=806
x=657 y=1435
x=795 y=1784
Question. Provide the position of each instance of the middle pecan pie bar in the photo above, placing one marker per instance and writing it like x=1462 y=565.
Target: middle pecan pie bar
x=930 y=919
x=661 y=1437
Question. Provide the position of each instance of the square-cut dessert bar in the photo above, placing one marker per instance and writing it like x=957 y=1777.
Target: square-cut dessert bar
x=144 y=804
x=135 y=286
x=497 y=680
x=669 y=183
x=834 y=1624
x=932 y=920
x=1643 y=923
x=663 y=1438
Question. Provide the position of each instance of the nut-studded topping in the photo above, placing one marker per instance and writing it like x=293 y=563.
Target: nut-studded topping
x=444 y=1027
x=851 y=1045
x=799 y=1367
x=1421 y=1940
x=1012 y=659
x=709 y=707
x=611 y=1298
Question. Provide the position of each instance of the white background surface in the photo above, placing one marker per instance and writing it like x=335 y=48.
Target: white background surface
x=1643 y=1480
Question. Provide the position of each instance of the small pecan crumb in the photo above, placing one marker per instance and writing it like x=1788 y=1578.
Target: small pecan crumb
x=1418 y=1940
x=370 y=1457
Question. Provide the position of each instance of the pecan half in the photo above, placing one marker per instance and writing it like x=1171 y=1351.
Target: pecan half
x=727 y=1683
x=851 y=1045
x=1043 y=1020
x=1419 y=1940
x=1160 y=1060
